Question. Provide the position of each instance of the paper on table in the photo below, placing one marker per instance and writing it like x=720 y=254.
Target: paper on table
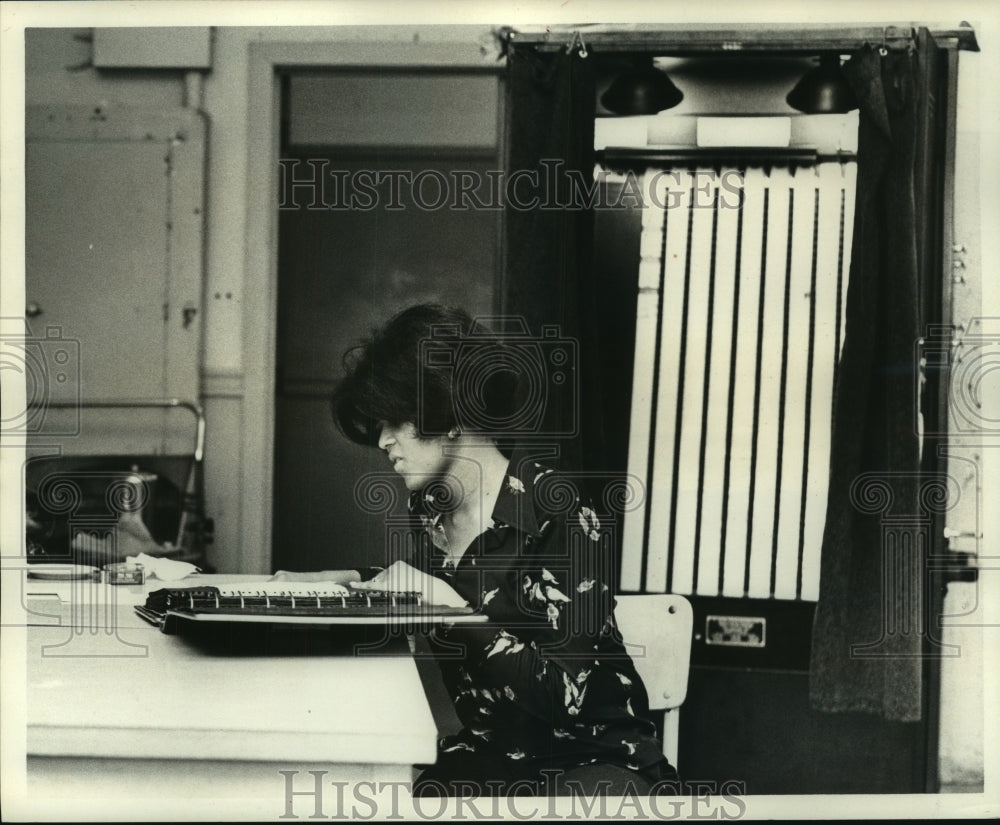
x=163 y=569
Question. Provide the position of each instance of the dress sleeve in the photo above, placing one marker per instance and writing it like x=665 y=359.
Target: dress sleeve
x=549 y=615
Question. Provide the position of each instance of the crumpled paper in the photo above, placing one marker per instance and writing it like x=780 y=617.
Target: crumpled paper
x=163 y=569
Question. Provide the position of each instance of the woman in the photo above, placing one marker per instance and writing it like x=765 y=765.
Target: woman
x=545 y=690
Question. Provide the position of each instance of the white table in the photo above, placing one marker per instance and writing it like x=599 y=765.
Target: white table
x=122 y=715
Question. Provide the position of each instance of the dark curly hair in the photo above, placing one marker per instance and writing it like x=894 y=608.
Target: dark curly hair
x=406 y=373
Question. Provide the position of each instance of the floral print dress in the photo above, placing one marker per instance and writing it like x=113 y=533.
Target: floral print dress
x=546 y=681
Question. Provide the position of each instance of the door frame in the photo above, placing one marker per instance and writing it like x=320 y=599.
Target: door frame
x=259 y=342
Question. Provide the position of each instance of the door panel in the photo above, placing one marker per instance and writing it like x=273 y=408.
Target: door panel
x=341 y=274
x=113 y=253
x=106 y=294
x=353 y=252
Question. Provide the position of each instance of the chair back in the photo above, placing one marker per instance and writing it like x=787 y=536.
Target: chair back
x=656 y=629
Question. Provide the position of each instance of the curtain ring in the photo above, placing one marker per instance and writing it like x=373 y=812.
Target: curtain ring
x=578 y=44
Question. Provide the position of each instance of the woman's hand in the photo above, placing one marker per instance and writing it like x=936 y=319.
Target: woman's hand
x=401 y=577
x=335 y=576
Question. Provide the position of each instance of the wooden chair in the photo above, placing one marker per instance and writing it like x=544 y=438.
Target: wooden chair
x=656 y=629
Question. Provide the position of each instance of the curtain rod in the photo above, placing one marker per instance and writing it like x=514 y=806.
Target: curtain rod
x=693 y=40
x=637 y=159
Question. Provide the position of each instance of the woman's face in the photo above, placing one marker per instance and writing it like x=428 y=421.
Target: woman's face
x=418 y=460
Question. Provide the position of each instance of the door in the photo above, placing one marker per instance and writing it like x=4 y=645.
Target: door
x=364 y=233
x=113 y=283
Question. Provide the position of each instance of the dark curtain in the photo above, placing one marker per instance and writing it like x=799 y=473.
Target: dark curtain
x=873 y=605
x=548 y=233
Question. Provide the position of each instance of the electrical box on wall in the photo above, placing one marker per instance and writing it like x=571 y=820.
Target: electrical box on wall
x=187 y=47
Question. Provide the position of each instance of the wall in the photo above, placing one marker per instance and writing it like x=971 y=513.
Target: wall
x=963 y=674
x=58 y=69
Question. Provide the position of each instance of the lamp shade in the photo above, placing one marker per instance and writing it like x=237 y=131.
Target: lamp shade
x=643 y=90
x=823 y=90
